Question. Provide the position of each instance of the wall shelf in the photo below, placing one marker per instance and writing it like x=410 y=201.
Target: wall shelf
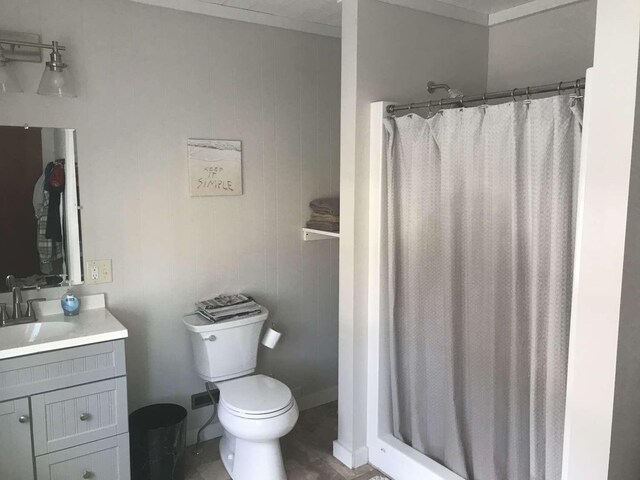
x=309 y=234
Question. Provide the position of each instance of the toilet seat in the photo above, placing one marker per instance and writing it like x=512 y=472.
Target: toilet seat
x=255 y=397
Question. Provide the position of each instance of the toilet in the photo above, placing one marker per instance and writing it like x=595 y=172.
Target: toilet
x=254 y=410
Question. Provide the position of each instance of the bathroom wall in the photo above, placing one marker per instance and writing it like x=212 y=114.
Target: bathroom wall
x=389 y=53
x=624 y=463
x=149 y=78
x=548 y=47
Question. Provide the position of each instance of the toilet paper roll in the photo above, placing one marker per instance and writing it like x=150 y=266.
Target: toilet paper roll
x=271 y=338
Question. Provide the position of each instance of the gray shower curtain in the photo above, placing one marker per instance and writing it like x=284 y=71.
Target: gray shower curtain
x=481 y=217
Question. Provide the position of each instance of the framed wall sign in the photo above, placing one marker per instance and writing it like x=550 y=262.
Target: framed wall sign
x=215 y=167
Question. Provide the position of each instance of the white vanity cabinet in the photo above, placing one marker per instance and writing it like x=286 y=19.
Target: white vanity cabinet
x=63 y=414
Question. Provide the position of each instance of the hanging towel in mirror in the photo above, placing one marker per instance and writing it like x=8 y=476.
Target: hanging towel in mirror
x=54 y=184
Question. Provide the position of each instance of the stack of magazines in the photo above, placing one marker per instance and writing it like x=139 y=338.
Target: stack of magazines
x=227 y=307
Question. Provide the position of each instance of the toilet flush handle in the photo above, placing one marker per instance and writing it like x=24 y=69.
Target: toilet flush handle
x=211 y=338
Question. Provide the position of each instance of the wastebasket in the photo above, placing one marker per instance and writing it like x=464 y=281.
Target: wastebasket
x=157 y=436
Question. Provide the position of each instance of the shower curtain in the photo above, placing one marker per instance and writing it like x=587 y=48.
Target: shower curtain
x=481 y=216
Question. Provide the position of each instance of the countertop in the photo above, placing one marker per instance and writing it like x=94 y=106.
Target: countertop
x=93 y=324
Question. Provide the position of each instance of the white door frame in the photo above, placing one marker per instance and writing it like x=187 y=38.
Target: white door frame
x=600 y=239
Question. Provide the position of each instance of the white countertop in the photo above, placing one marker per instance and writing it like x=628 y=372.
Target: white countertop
x=93 y=324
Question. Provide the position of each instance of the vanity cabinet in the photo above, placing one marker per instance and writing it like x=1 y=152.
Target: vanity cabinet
x=65 y=412
x=16 y=460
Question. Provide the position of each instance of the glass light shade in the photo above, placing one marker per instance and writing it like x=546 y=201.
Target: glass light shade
x=8 y=83
x=58 y=83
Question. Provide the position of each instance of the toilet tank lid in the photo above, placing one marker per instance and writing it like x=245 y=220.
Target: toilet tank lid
x=255 y=394
x=195 y=323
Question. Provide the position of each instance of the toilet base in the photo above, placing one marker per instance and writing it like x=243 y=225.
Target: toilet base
x=246 y=460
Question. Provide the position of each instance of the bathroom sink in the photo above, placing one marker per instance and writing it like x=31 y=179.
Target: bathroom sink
x=53 y=331
x=36 y=332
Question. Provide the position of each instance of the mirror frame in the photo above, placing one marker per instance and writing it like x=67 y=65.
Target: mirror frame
x=72 y=224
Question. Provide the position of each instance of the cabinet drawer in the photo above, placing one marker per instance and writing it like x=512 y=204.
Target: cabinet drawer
x=76 y=415
x=41 y=372
x=106 y=459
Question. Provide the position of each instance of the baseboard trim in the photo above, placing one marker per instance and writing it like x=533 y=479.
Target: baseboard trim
x=351 y=459
x=315 y=399
x=305 y=402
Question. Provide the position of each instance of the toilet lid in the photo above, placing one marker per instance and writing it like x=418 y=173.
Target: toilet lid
x=255 y=394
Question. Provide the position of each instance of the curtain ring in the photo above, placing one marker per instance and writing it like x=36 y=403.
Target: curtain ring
x=484 y=105
x=560 y=87
x=462 y=101
x=528 y=94
x=513 y=94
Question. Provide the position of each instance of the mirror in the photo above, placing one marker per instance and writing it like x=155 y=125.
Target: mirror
x=40 y=242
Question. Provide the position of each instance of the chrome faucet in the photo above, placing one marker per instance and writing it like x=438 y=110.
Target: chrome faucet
x=17 y=315
x=17 y=297
x=17 y=303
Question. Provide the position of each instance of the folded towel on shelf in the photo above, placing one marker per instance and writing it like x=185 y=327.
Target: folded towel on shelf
x=326 y=226
x=324 y=217
x=328 y=206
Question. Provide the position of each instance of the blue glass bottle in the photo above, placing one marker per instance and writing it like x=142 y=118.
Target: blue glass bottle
x=70 y=304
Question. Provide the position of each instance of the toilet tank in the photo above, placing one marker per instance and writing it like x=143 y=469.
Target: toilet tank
x=226 y=349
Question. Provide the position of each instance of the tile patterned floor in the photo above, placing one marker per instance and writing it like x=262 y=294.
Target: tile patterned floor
x=306 y=451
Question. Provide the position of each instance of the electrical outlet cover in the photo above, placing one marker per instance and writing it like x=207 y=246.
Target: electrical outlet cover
x=99 y=271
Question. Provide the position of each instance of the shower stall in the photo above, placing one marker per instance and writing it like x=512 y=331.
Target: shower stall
x=462 y=364
x=472 y=221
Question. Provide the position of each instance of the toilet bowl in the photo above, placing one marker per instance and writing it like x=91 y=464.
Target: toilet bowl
x=255 y=411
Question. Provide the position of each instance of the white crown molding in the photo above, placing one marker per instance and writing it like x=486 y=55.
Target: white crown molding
x=241 y=15
x=444 y=10
x=526 y=10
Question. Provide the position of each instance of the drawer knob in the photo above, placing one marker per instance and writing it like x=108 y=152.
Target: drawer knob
x=23 y=418
x=87 y=474
x=83 y=418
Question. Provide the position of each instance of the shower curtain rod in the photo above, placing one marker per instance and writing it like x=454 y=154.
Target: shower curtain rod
x=463 y=100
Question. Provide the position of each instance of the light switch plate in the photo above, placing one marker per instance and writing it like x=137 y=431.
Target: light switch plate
x=98 y=271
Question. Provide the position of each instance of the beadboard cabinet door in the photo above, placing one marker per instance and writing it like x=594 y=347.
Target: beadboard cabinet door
x=16 y=456
x=73 y=416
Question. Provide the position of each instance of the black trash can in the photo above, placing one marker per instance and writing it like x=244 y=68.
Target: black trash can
x=158 y=439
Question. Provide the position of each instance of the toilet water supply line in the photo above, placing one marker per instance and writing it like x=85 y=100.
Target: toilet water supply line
x=211 y=418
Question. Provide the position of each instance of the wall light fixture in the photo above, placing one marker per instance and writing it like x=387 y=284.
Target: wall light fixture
x=17 y=47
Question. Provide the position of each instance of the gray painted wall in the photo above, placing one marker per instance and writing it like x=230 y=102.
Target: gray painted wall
x=549 y=47
x=624 y=463
x=149 y=78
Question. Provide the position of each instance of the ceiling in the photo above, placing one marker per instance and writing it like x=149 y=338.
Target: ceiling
x=327 y=12
x=323 y=17
x=484 y=6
